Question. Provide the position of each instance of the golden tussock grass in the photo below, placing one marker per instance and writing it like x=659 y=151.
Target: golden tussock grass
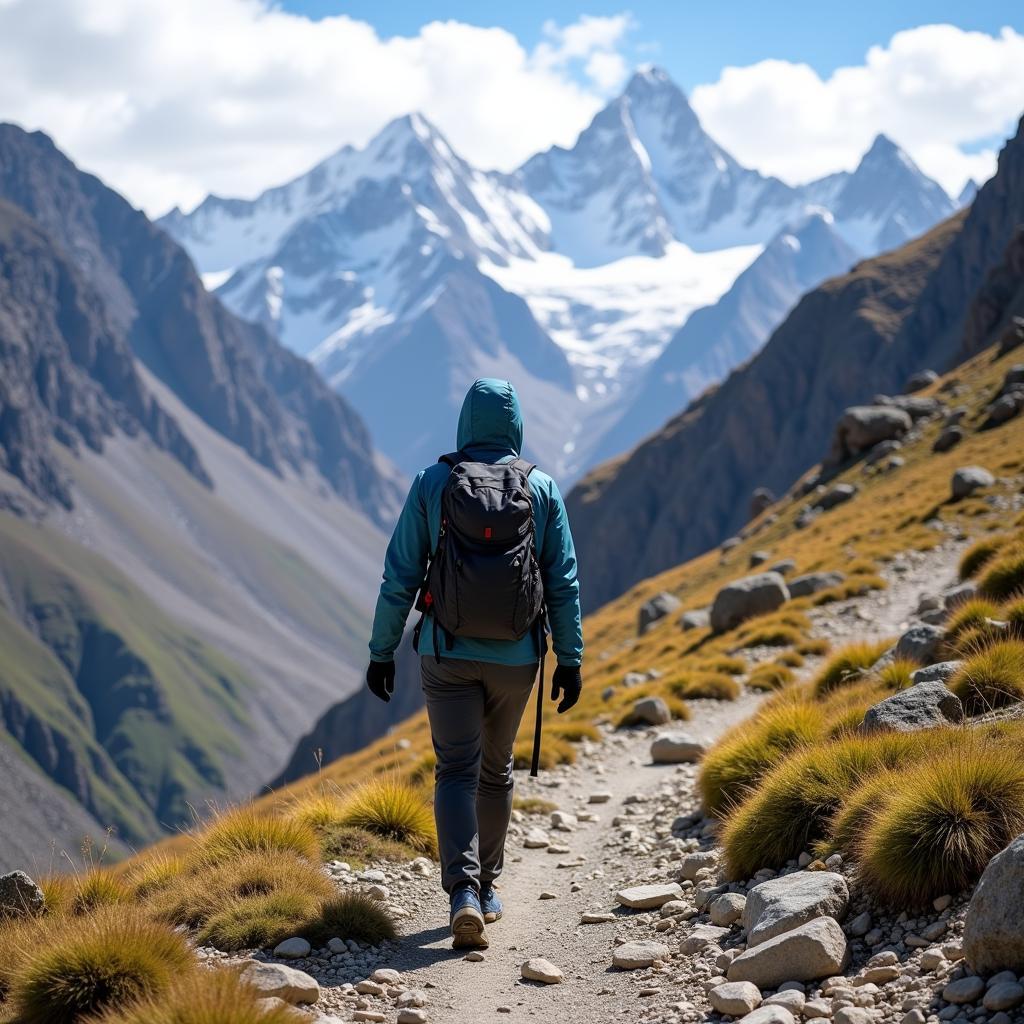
x=391 y=809
x=709 y=685
x=848 y=665
x=770 y=677
x=991 y=677
x=1003 y=577
x=978 y=555
x=247 y=830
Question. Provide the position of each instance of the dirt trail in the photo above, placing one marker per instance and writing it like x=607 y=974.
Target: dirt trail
x=608 y=858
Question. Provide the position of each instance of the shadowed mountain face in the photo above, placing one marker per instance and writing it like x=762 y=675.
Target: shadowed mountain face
x=190 y=523
x=232 y=374
x=923 y=305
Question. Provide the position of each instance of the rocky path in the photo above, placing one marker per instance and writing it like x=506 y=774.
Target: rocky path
x=615 y=831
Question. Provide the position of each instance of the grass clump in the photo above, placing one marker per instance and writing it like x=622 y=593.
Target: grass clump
x=978 y=555
x=109 y=958
x=351 y=915
x=792 y=807
x=245 y=830
x=553 y=751
x=751 y=750
x=813 y=648
x=992 y=677
x=791 y=659
x=1012 y=614
x=971 y=615
x=707 y=685
x=204 y=997
x=533 y=805
x=77 y=894
x=776 y=635
x=260 y=920
x=943 y=824
x=770 y=677
x=1004 y=577
x=896 y=675
x=155 y=873
x=847 y=666
x=729 y=665
x=359 y=847
x=390 y=808
x=577 y=732
x=318 y=810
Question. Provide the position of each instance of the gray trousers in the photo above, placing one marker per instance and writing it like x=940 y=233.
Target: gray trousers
x=474 y=709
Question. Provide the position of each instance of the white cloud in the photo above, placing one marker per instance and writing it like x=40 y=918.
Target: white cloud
x=170 y=100
x=931 y=89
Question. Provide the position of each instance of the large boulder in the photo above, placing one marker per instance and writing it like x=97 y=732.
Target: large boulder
x=742 y=599
x=783 y=903
x=817 y=949
x=994 y=927
x=812 y=582
x=863 y=426
x=19 y=895
x=968 y=479
x=677 y=748
x=920 y=643
x=923 y=706
x=657 y=608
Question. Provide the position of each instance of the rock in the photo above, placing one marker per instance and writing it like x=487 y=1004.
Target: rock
x=792 y=999
x=539 y=969
x=958 y=595
x=563 y=821
x=783 y=903
x=474 y=956
x=769 y=1015
x=1003 y=408
x=881 y=451
x=812 y=582
x=784 y=567
x=1007 y=995
x=19 y=895
x=677 y=748
x=860 y=925
x=759 y=558
x=993 y=935
x=292 y=949
x=879 y=975
x=410 y=1015
x=853 y=1015
x=817 y=949
x=949 y=438
x=744 y=598
x=940 y=672
x=601 y=797
x=761 y=499
x=370 y=1016
x=920 y=643
x=915 y=406
x=913 y=1016
x=964 y=990
x=918 y=707
x=698 y=618
x=968 y=479
x=931 y=958
x=862 y=427
x=366 y=987
x=646 y=897
x=735 y=998
x=536 y=839
x=919 y=381
x=650 y=711
x=727 y=908
x=694 y=862
x=836 y=496
x=657 y=608
x=705 y=935
x=287 y=983
x=596 y=917
x=412 y=997
x=631 y=956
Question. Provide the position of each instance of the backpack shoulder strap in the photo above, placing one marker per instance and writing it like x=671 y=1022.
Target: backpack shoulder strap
x=526 y=468
x=452 y=459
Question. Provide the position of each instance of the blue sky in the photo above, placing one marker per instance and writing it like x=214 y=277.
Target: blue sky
x=693 y=41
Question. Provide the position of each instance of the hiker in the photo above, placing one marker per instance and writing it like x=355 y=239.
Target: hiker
x=483 y=549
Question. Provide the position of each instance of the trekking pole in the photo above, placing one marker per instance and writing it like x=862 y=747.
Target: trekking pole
x=542 y=639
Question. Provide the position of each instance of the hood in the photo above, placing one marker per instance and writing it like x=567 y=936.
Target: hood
x=491 y=417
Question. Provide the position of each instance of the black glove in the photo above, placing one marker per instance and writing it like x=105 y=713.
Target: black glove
x=569 y=683
x=380 y=678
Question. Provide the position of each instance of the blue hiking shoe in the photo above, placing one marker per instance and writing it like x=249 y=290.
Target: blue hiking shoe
x=467 y=919
x=490 y=903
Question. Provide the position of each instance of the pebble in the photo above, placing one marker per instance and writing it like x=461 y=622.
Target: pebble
x=596 y=917
x=369 y=1015
x=965 y=990
x=294 y=948
x=474 y=956
x=410 y=1015
x=547 y=894
x=735 y=997
x=599 y=798
x=539 y=969
x=631 y=956
x=536 y=839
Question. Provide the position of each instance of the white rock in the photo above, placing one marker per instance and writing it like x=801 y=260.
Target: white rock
x=645 y=897
x=735 y=998
x=768 y=1015
x=677 y=748
x=641 y=953
x=539 y=969
x=727 y=908
x=817 y=949
x=932 y=958
x=781 y=904
x=292 y=949
x=386 y=976
x=563 y=821
x=705 y=935
x=366 y=987
x=536 y=839
x=993 y=936
x=853 y=1015
x=287 y=983
x=599 y=798
x=412 y=997
x=410 y=1015
x=474 y=956
x=792 y=999
x=694 y=862
x=596 y=917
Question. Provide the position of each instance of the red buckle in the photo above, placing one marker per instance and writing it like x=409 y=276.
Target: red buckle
x=487 y=533
x=428 y=599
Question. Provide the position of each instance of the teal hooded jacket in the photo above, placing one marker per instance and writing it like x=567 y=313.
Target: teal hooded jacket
x=490 y=430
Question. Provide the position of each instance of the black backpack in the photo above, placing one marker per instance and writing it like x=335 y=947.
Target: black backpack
x=484 y=579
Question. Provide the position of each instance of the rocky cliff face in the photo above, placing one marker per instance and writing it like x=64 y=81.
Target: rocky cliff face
x=66 y=373
x=922 y=305
x=231 y=373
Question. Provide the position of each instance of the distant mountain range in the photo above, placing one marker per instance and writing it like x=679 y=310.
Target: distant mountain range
x=570 y=275
x=929 y=304
x=191 y=523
